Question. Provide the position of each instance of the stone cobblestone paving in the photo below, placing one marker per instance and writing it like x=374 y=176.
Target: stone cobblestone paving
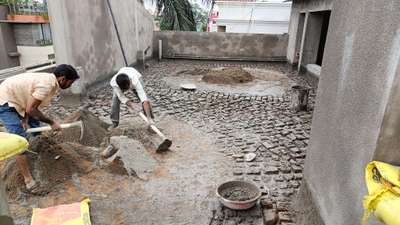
x=240 y=123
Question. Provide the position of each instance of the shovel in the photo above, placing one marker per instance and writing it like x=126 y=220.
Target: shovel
x=165 y=143
x=63 y=126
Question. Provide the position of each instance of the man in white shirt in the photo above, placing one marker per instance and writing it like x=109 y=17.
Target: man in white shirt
x=128 y=78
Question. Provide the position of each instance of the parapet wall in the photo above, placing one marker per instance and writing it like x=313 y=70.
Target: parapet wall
x=221 y=46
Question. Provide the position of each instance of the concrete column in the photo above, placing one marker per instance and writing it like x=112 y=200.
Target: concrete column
x=8 y=46
x=303 y=37
x=311 y=39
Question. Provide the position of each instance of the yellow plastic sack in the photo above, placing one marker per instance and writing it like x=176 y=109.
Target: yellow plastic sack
x=383 y=182
x=11 y=145
x=72 y=214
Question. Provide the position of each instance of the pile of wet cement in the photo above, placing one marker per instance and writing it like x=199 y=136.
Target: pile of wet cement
x=230 y=75
x=238 y=194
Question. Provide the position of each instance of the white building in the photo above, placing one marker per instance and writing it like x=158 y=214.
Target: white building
x=250 y=16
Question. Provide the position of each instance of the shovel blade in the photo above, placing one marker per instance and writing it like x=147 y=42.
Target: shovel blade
x=164 y=146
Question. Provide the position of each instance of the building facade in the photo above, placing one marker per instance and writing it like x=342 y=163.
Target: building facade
x=250 y=16
x=26 y=35
x=356 y=118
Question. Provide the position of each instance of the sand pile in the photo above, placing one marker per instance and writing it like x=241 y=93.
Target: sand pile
x=231 y=75
x=95 y=130
x=195 y=71
x=59 y=156
x=53 y=165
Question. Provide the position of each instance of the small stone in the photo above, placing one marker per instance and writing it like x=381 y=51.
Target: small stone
x=237 y=172
x=283 y=206
x=271 y=216
x=271 y=170
x=268 y=145
x=285 y=217
x=267 y=203
x=250 y=157
x=254 y=172
x=285 y=169
x=297 y=169
x=238 y=156
x=298 y=176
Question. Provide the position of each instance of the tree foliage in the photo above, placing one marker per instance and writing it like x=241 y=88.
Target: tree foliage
x=200 y=17
x=176 y=15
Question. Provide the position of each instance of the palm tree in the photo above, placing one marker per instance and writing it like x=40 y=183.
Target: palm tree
x=176 y=14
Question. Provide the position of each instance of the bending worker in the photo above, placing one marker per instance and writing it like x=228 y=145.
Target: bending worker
x=128 y=78
x=21 y=97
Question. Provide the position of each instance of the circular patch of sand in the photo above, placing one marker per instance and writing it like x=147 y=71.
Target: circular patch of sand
x=231 y=75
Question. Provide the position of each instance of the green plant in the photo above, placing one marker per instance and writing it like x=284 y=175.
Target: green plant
x=176 y=15
x=200 y=17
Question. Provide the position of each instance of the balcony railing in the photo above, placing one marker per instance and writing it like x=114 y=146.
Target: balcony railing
x=26 y=7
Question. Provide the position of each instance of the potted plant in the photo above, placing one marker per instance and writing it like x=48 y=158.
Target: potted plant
x=26 y=11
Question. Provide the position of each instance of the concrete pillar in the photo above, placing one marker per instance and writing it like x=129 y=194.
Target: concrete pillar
x=8 y=46
x=311 y=38
x=303 y=37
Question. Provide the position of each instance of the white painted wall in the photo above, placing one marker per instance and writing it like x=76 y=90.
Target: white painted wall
x=31 y=55
x=253 y=17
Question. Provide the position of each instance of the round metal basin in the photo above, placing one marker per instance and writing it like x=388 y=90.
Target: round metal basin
x=251 y=194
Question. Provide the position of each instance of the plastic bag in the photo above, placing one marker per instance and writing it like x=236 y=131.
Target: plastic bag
x=11 y=145
x=383 y=182
x=72 y=214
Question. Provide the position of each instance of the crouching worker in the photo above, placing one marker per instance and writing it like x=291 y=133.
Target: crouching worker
x=128 y=78
x=21 y=97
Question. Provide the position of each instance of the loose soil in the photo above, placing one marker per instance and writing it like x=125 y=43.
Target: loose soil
x=59 y=155
x=238 y=194
x=185 y=178
x=54 y=164
x=231 y=75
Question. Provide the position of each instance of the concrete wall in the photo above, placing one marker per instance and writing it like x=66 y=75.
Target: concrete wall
x=7 y=42
x=29 y=34
x=296 y=25
x=357 y=108
x=33 y=55
x=85 y=37
x=223 y=46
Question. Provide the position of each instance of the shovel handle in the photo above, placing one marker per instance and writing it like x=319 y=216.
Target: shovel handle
x=48 y=128
x=154 y=128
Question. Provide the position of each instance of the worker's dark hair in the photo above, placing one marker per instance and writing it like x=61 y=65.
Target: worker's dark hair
x=123 y=81
x=66 y=71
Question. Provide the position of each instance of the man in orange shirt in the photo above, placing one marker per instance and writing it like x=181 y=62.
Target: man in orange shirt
x=22 y=96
